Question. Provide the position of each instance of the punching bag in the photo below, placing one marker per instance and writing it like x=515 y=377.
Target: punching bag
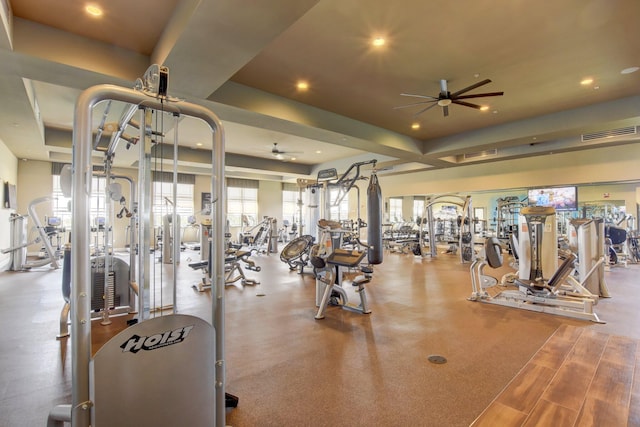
x=374 y=220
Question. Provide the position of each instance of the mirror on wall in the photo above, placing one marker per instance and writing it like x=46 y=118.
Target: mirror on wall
x=496 y=211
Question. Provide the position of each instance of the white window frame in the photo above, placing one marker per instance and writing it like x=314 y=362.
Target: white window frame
x=418 y=209
x=339 y=212
x=163 y=195
x=61 y=205
x=290 y=208
x=242 y=202
x=395 y=209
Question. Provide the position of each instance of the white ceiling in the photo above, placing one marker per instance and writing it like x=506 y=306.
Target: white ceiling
x=242 y=59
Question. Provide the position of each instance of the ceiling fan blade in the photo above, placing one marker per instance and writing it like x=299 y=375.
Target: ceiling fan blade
x=478 y=95
x=466 y=104
x=281 y=154
x=414 y=104
x=418 y=96
x=468 y=88
x=425 y=109
x=445 y=110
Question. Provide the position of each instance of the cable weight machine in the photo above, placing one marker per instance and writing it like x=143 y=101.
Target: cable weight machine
x=102 y=385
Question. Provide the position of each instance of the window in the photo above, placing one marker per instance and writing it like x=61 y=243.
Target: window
x=162 y=196
x=97 y=202
x=395 y=209
x=340 y=211
x=163 y=201
x=242 y=202
x=61 y=205
x=418 y=209
x=290 y=211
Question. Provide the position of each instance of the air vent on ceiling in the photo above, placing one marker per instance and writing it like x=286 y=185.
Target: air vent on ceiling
x=626 y=131
x=485 y=153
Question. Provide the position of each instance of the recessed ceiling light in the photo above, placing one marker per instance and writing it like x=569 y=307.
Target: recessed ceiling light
x=415 y=126
x=93 y=10
x=629 y=70
x=484 y=108
x=293 y=158
x=318 y=151
x=302 y=85
x=586 y=82
x=378 y=41
x=199 y=144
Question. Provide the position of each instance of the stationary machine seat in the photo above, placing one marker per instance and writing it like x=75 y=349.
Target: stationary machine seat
x=361 y=280
x=316 y=260
x=199 y=265
x=366 y=269
x=235 y=255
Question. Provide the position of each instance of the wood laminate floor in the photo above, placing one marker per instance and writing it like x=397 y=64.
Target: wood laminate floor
x=349 y=369
x=580 y=377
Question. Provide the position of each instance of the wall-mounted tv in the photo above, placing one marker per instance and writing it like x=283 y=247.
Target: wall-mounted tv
x=560 y=198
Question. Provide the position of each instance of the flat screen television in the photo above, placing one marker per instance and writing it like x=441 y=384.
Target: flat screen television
x=560 y=198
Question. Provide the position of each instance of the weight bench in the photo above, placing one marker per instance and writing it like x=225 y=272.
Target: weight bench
x=404 y=246
x=232 y=267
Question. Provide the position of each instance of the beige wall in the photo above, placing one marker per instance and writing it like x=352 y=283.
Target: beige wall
x=34 y=181
x=270 y=200
x=8 y=173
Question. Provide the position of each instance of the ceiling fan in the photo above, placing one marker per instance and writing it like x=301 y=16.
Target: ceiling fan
x=280 y=154
x=446 y=98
